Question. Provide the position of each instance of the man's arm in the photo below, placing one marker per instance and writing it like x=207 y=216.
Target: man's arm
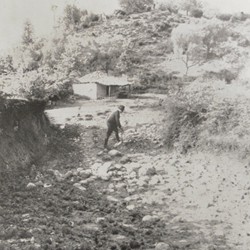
x=117 y=119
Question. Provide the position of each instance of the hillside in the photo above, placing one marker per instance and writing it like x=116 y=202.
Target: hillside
x=142 y=46
x=179 y=180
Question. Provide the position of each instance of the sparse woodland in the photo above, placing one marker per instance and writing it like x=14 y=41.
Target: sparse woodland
x=179 y=49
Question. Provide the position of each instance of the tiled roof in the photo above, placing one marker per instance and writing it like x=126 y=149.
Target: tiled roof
x=104 y=79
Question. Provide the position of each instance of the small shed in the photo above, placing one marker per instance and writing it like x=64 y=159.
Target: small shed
x=99 y=85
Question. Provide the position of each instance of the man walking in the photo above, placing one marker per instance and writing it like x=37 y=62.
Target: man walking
x=114 y=124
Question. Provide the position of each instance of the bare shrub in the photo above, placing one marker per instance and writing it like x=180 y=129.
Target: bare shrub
x=197 y=13
x=136 y=6
x=224 y=17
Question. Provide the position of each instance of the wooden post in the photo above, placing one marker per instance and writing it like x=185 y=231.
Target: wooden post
x=109 y=91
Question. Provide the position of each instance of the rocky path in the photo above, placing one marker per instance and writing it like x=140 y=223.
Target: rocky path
x=136 y=196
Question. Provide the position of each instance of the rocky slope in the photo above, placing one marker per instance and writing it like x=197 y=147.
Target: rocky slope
x=136 y=196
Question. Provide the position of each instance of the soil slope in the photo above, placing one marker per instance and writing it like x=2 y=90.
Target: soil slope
x=136 y=196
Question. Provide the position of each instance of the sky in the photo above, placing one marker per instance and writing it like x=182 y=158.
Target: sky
x=13 y=14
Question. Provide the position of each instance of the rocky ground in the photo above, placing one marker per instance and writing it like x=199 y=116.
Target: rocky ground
x=135 y=196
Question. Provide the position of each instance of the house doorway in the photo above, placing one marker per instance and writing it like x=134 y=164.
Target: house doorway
x=108 y=91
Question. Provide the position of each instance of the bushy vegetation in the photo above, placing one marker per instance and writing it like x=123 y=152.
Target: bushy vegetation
x=136 y=6
x=170 y=6
x=224 y=16
x=197 y=13
x=209 y=116
x=190 y=5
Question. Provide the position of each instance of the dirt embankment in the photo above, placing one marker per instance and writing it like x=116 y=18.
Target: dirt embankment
x=23 y=133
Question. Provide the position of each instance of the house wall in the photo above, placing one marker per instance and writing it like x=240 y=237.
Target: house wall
x=101 y=91
x=86 y=89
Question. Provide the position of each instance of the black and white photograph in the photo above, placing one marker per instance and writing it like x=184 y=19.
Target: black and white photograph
x=124 y=125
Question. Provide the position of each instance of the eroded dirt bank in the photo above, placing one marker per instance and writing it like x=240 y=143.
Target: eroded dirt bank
x=137 y=196
x=24 y=131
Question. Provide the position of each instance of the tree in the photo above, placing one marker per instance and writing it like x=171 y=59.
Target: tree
x=6 y=65
x=72 y=16
x=189 y=5
x=197 y=13
x=214 y=33
x=28 y=34
x=136 y=6
x=188 y=45
x=195 y=44
x=170 y=6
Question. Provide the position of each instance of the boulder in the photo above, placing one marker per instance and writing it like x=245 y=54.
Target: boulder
x=118 y=238
x=150 y=218
x=134 y=197
x=68 y=174
x=31 y=186
x=79 y=186
x=130 y=207
x=90 y=227
x=39 y=184
x=102 y=171
x=162 y=246
x=151 y=171
x=59 y=177
x=118 y=166
x=120 y=185
x=106 y=158
x=111 y=198
x=95 y=167
x=132 y=175
x=125 y=159
x=88 y=180
x=100 y=153
x=79 y=170
x=85 y=173
x=88 y=117
x=143 y=181
x=114 y=153
x=133 y=166
x=99 y=220
x=155 y=180
x=147 y=169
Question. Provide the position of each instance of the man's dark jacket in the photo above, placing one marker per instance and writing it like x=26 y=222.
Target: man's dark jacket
x=114 y=119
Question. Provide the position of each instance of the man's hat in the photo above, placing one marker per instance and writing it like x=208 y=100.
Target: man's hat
x=121 y=107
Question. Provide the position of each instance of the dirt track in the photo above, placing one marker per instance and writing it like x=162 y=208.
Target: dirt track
x=145 y=198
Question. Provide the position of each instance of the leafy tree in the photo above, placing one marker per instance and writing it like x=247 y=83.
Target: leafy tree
x=28 y=34
x=72 y=16
x=6 y=65
x=136 y=6
x=188 y=45
x=53 y=52
x=197 y=13
x=170 y=6
x=195 y=44
x=189 y=5
x=213 y=35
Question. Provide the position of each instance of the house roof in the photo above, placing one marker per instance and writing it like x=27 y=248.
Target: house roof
x=104 y=79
